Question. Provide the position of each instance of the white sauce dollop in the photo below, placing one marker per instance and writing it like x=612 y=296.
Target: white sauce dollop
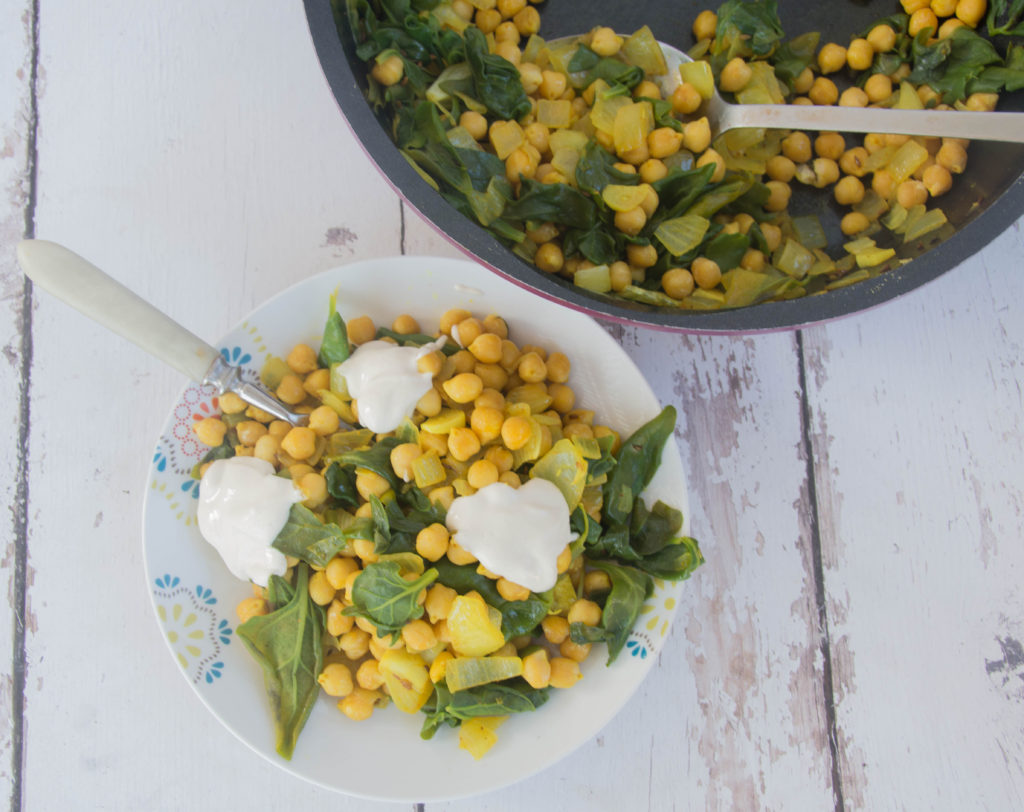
x=384 y=379
x=242 y=508
x=514 y=532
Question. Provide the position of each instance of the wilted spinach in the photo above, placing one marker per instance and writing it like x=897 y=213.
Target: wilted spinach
x=383 y=596
x=630 y=588
x=316 y=542
x=517 y=617
x=287 y=645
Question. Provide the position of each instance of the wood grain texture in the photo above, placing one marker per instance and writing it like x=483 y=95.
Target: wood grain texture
x=919 y=448
x=15 y=138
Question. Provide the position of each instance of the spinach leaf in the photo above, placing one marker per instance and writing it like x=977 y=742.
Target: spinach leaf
x=498 y=85
x=414 y=339
x=393 y=531
x=952 y=64
x=341 y=484
x=1008 y=76
x=376 y=458
x=1004 y=18
x=383 y=596
x=279 y=591
x=334 y=346
x=596 y=244
x=755 y=23
x=678 y=191
x=790 y=59
x=517 y=617
x=630 y=588
x=436 y=711
x=653 y=530
x=676 y=561
x=557 y=202
x=286 y=644
x=596 y=169
x=315 y=542
x=496 y=699
x=726 y=249
x=638 y=459
x=221 y=452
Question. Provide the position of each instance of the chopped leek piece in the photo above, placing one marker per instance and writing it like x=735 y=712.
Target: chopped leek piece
x=427 y=470
x=533 y=395
x=554 y=113
x=567 y=139
x=273 y=370
x=652 y=297
x=906 y=160
x=872 y=205
x=633 y=123
x=874 y=256
x=623 y=198
x=925 y=224
x=896 y=218
x=565 y=468
x=443 y=423
x=794 y=259
x=680 y=235
x=698 y=74
x=644 y=51
x=597 y=279
x=809 y=232
x=861 y=244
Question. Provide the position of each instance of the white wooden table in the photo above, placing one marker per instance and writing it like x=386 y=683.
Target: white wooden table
x=853 y=642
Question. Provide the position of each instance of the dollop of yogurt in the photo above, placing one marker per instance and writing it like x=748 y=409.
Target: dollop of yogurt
x=514 y=532
x=242 y=508
x=385 y=381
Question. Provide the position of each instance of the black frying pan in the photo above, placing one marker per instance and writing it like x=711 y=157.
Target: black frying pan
x=984 y=201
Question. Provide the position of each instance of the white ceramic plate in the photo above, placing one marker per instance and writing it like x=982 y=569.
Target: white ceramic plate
x=195 y=596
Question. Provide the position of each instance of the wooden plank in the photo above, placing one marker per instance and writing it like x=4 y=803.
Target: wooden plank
x=197 y=161
x=15 y=128
x=731 y=717
x=920 y=457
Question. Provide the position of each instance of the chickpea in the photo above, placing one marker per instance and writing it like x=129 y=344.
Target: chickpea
x=826 y=172
x=921 y=19
x=370 y=484
x=335 y=679
x=464 y=387
x=797 y=147
x=706 y=273
x=532 y=368
x=780 y=168
x=910 y=6
x=463 y=443
x=882 y=183
x=753 y=260
x=831 y=57
x=735 y=75
x=677 y=282
x=772 y=235
x=641 y=256
x=704 y=25
x=438 y=602
x=848 y=191
x=553 y=84
x=564 y=672
x=859 y=54
x=299 y=443
x=647 y=89
x=853 y=97
x=911 y=193
x=605 y=42
x=251 y=607
x=685 y=99
x=359 y=704
x=389 y=71
x=474 y=123
x=620 y=275
x=320 y=590
x=511 y=591
x=418 y=635
x=878 y=87
x=537 y=669
x=952 y=156
x=266 y=448
x=210 y=431
x=823 y=91
x=664 y=141
x=697 y=135
x=486 y=421
x=630 y=222
x=558 y=367
x=937 y=180
x=779 y=194
x=882 y=38
x=947 y=28
x=584 y=611
x=830 y=145
x=803 y=81
x=555 y=628
x=971 y=12
x=710 y=156
x=314 y=489
x=852 y=161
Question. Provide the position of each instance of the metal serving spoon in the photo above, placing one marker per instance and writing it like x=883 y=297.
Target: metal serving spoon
x=88 y=290
x=723 y=115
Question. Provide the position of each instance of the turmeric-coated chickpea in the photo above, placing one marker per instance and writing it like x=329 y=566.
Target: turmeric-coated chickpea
x=320 y=590
x=647 y=89
x=368 y=675
x=706 y=272
x=388 y=71
x=921 y=19
x=952 y=156
x=290 y=389
x=337 y=621
x=753 y=260
x=781 y=168
x=823 y=91
x=664 y=141
x=317 y=381
x=630 y=222
x=459 y=556
x=558 y=367
x=463 y=443
x=910 y=6
x=574 y=651
x=532 y=368
x=507 y=32
x=878 y=87
x=677 y=282
x=430 y=404
x=359 y=704
x=418 y=635
x=641 y=256
x=620 y=275
x=487 y=19
x=803 y=81
x=486 y=348
x=251 y=607
x=266 y=448
x=779 y=194
x=486 y=421
x=686 y=99
x=584 y=611
x=605 y=42
x=500 y=456
x=402 y=457
x=516 y=432
x=339 y=569
x=231 y=403
x=335 y=679
x=848 y=191
x=491 y=398
x=797 y=147
x=464 y=387
x=474 y=123
x=711 y=156
x=831 y=57
x=852 y=161
x=324 y=420
x=705 y=24
x=947 y=27
x=971 y=12
x=555 y=628
x=552 y=85
x=360 y=329
x=854 y=97
x=211 y=430
x=882 y=38
x=527 y=21
x=937 y=180
x=772 y=235
x=853 y=223
x=735 y=75
x=911 y=193
x=405 y=324
x=826 y=172
x=314 y=489
x=697 y=134
x=511 y=591
x=482 y=473
x=860 y=54
x=507 y=49
x=564 y=672
x=299 y=443
x=438 y=602
x=369 y=483
x=302 y=359
x=508 y=8
x=830 y=145
x=452 y=317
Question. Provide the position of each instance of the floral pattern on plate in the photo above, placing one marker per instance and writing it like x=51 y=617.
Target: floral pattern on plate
x=192 y=627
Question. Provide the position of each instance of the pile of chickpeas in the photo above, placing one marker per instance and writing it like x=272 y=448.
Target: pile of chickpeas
x=487 y=399
x=824 y=160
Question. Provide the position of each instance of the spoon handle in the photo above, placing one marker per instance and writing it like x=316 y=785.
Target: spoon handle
x=945 y=123
x=88 y=290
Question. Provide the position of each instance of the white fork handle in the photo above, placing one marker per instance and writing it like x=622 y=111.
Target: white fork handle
x=944 y=123
x=88 y=290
